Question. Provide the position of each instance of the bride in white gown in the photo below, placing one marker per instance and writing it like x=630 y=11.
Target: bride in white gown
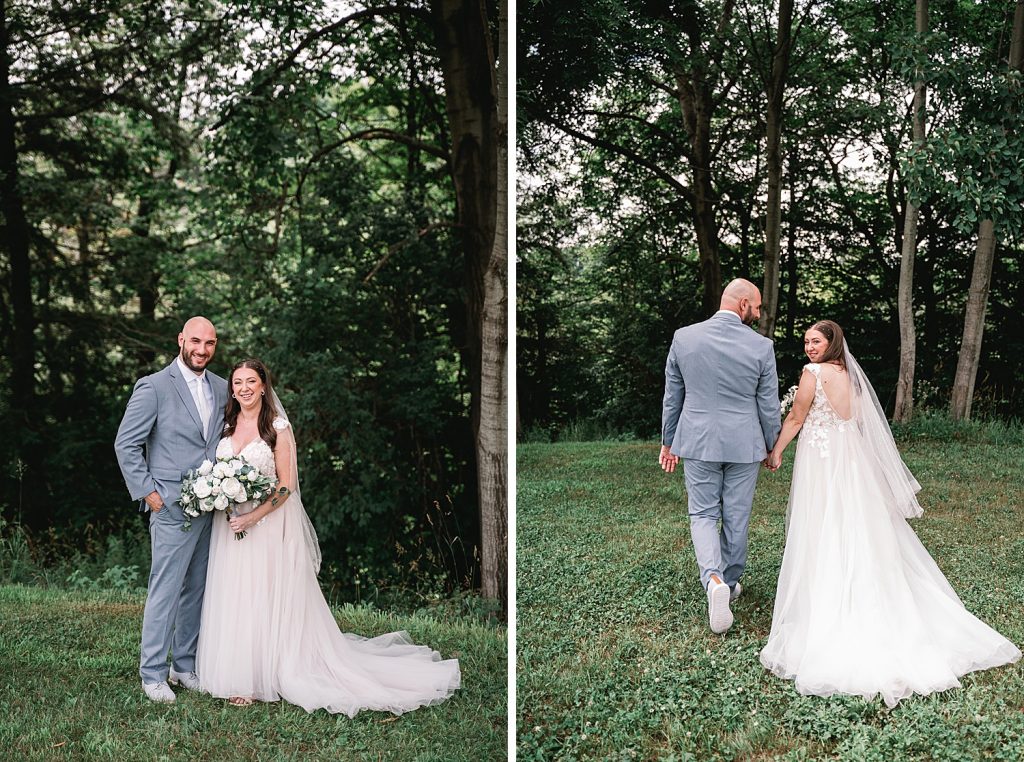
x=267 y=632
x=861 y=607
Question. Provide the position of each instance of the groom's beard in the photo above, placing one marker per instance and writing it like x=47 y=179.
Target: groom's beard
x=186 y=357
x=748 y=318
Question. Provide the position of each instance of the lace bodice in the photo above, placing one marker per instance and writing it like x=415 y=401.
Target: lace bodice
x=821 y=419
x=257 y=451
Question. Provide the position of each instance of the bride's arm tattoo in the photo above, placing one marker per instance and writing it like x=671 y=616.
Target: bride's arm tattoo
x=281 y=496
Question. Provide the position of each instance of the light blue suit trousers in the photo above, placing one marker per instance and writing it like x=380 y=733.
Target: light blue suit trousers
x=721 y=416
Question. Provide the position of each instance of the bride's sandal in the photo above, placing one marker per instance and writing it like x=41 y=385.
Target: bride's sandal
x=240 y=701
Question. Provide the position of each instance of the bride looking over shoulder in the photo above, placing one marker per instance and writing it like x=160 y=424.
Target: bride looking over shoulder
x=861 y=607
x=267 y=632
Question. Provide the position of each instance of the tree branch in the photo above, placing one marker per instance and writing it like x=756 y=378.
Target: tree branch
x=622 y=151
x=267 y=78
x=376 y=133
x=402 y=244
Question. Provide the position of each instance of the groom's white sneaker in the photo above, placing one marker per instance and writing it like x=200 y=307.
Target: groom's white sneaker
x=186 y=679
x=736 y=592
x=159 y=692
x=718 y=605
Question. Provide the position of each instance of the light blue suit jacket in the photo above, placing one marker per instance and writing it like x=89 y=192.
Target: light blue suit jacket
x=721 y=392
x=161 y=417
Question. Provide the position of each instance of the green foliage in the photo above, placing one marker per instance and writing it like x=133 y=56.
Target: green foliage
x=937 y=426
x=71 y=691
x=614 y=656
x=608 y=267
x=265 y=205
x=124 y=578
x=16 y=562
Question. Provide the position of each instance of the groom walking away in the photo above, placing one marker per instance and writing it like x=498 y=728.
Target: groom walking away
x=176 y=415
x=721 y=416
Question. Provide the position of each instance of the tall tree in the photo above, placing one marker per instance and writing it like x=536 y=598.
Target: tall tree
x=775 y=90
x=905 y=299
x=21 y=339
x=981 y=274
x=468 y=59
x=694 y=73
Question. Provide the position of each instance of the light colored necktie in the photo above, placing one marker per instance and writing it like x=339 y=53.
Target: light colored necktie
x=204 y=410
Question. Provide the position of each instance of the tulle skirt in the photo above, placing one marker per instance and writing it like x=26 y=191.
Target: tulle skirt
x=268 y=633
x=861 y=607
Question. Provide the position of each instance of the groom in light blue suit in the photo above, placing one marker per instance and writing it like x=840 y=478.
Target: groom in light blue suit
x=721 y=415
x=173 y=423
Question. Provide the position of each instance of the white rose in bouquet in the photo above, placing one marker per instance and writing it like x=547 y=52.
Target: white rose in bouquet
x=220 y=469
x=203 y=488
x=205 y=468
x=230 y=486
x=221 y=502
x=236 y=465
x=253 y=475
x=242 y=496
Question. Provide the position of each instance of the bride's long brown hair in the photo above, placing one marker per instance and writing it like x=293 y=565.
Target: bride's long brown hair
x=834 y=334
x=265 y=421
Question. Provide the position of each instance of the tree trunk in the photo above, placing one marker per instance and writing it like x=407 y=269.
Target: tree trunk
x=773 y=159
x=468 y=67
x=905 y=295
x=1017 y=38
x=981 y=276
x=792 y=270
x=492 y=438
x=696 y=102
x=148 y=287
x=924 y=276
x=974 y=324
x=22 y=339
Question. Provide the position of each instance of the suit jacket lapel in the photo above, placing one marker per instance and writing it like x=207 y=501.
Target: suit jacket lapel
x=181 y=386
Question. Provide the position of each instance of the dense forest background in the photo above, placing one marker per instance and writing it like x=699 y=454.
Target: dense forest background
x=295 y=173
x=667 y=147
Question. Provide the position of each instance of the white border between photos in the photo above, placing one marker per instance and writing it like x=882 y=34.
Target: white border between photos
x=510 y=49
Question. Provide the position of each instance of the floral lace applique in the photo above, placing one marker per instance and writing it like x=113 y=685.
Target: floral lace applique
x=821 y=418
x=257 y=452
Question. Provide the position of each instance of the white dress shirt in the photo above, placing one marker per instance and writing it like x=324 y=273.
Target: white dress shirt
x=198 y=386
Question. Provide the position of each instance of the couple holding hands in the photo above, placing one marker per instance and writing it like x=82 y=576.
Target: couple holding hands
x=861 y=608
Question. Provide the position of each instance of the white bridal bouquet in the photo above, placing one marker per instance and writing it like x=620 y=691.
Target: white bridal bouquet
x=216 y=486
x=787 y=401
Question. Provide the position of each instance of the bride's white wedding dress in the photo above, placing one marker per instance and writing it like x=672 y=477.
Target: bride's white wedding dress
x=861 y=607
x=268 y=633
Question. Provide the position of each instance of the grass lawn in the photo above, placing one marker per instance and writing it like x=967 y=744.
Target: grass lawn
x=69 y=689
x=615 y=658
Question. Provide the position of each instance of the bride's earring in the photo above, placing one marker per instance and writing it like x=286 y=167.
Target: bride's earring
x=263 y=393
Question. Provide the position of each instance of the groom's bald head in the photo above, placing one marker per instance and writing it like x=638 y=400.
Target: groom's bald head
x=744 y=298
x=197 y=324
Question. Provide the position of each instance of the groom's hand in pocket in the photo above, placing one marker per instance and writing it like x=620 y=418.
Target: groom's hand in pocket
x=667 y=460
x=154 y=501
